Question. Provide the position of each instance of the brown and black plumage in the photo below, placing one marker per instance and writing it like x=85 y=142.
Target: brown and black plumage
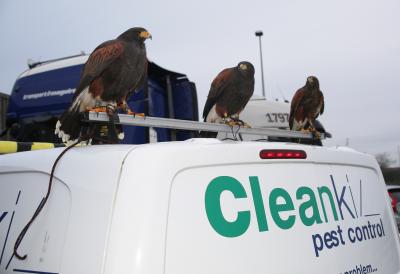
x=229 y=93
x=307 y=104
x=114 y=70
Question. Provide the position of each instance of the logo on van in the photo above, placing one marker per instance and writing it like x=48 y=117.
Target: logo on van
x=319 y=205
x=48 y=93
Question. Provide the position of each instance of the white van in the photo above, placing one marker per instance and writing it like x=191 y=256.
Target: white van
x=198 y=206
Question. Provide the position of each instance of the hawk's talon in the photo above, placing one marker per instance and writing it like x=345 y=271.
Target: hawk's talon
x=246 y=125
x=97 y=109
x=110 y=109
x=134 y=114
x=228 y=121
x=240 y=123
x=231 y=123
x=125 y=108
x=316 y=134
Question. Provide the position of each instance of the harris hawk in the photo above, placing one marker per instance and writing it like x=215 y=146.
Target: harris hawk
x=307 y=104
x=113 y=70
x=229 y=93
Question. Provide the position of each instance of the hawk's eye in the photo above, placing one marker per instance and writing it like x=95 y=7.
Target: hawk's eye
x=243 y=66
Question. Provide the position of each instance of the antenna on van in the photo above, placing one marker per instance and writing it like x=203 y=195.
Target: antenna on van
x=30 y=63
x=282 y=94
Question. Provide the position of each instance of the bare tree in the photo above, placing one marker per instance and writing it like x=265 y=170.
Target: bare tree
x=384 y=160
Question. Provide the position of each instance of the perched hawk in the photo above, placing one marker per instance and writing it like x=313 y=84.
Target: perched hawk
x=307 y=104
x=229 y=93
x=114 y=70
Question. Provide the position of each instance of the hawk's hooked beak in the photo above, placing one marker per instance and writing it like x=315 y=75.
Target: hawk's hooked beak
x=145 y=34
x=243 y=66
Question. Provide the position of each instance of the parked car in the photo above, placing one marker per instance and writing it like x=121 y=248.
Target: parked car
x=394 y=194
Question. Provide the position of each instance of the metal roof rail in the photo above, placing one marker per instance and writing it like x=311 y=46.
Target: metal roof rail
x=157 y=122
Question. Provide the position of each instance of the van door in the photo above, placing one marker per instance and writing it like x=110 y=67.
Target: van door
x=21 y=193
x=282 y=217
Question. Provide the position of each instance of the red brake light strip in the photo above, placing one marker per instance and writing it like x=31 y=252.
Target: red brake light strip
x=282 y=154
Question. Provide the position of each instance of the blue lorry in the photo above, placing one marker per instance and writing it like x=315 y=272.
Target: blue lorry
x=42 y=93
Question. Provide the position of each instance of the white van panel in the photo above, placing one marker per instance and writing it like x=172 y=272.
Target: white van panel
x=21 y=195
x=142 y=209
x=89 y=175
x=253 y=246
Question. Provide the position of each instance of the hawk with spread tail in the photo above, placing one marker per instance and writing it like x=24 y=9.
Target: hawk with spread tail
x=114 y=70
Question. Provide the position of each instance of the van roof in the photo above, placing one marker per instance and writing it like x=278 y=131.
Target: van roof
x=202 y=147
x=101 y=165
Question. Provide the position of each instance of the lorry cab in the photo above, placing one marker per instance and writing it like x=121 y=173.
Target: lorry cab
x=198 y=206
x=43 y=92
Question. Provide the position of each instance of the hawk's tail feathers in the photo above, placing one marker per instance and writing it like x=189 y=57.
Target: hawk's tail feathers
x=68 y=127
x=291 y=122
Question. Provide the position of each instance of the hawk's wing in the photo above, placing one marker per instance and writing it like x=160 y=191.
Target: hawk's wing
x=217 y=86
x=322 y=102
x=141 y=81
x=296 y=102
x=101 y=58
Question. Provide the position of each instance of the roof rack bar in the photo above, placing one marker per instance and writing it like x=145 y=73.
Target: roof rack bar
x=149 y=121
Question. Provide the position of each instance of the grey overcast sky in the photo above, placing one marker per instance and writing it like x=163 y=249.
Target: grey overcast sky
x=353 y=47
